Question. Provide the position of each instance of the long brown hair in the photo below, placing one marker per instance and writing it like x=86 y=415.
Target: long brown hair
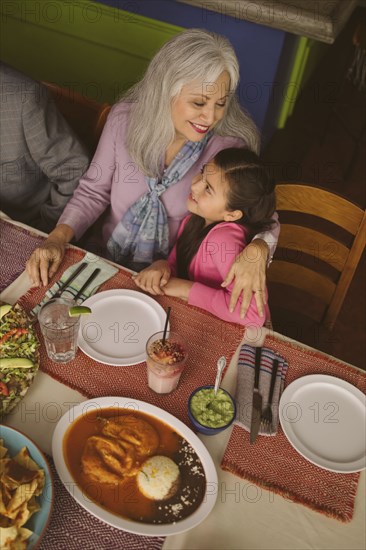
x=250 y=189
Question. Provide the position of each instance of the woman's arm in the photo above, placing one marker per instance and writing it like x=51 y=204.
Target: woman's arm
x=249 y=270
x=89 y=200
x=93 y=194
x=270 y=237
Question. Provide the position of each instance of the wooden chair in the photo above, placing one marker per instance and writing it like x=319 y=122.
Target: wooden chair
x=85 y=116
x=321 y=242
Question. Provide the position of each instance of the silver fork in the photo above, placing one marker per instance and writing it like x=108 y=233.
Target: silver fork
x=266 y=418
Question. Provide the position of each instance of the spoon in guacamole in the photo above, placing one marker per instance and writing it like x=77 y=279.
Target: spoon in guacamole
x=221 y=364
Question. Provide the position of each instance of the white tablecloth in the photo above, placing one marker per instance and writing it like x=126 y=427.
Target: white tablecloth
x=245 y=516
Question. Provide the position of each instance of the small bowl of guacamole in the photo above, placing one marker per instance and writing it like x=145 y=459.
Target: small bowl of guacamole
x=210 y=413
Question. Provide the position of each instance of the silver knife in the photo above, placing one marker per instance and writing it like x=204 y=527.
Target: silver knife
x=73 y=276
x=87 y=283
x=257 y=398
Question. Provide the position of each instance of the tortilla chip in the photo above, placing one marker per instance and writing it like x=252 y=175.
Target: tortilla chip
x=6 y=494
x=21 y=516
x=33 y=506
x=3 y=450
x=8 y=536
x=21 y=495
x=24 y=459
x=25 y=512
x=15 y=475
x=4 y=522
x=3 y=464
x=14 y=539
x=3 y=502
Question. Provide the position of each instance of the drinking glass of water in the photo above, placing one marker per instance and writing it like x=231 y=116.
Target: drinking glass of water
x=59 y=330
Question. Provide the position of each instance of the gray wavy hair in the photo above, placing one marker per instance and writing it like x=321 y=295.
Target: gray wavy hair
x=194 y=54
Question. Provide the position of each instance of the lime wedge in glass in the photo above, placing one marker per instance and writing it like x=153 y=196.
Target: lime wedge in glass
x=74 y=311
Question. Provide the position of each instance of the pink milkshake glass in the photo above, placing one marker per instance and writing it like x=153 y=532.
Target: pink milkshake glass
x=165 y=361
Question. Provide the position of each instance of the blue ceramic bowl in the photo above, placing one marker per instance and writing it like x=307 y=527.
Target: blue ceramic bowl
x=205 y=430
x=14 y=440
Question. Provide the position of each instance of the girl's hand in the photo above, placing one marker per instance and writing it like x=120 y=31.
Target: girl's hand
x=179 y=288
x=153 y=278
x=45 y=259
x=249 y=271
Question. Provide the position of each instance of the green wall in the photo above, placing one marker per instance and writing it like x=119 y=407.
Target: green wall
x=307 y=54
x=97 y=50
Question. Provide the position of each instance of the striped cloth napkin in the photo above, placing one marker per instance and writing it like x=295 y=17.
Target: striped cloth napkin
x=93 y=262
x=245 y=385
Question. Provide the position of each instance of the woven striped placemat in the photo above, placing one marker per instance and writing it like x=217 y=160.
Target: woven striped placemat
x=272 y=463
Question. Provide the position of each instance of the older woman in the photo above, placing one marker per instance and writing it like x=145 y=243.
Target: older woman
x=167 y=126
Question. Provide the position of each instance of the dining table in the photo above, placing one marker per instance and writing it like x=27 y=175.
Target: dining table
x=248 y=513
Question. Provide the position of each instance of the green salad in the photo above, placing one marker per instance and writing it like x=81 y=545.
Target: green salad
x=210 y=410
x=19 y=356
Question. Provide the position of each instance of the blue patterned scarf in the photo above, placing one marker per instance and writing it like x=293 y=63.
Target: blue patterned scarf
x=142 y=235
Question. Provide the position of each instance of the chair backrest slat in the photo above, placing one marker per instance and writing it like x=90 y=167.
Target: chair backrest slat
x=298 y=240
x=319 y=202
x=303 y=278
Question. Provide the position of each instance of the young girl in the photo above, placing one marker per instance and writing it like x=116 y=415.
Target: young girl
x=230 y=201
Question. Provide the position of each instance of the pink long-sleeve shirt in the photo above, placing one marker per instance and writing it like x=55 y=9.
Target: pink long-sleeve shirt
x=209 y=268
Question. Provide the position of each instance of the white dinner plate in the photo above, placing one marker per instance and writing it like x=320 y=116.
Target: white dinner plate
x=121 y=322
x=119 y=522
x=324 y=419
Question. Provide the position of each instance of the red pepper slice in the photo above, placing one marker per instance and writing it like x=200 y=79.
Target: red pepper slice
x=14 y=331
x=21 y=331
x=3 y=389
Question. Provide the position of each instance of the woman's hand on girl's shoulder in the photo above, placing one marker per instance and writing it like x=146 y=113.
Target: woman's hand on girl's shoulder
x=248 y=272
x=153 y=278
